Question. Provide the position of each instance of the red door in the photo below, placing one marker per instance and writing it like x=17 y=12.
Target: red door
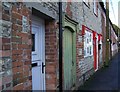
x=95 y=50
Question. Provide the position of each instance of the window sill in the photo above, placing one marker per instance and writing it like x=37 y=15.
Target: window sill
x=88 y=56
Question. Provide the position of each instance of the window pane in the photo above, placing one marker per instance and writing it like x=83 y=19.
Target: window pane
x=90 y=37
x=87 y=49
x=87 y=41
x=90 y=50
x=33 y=41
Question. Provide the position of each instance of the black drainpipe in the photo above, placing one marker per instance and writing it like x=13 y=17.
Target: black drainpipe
x=60 y=46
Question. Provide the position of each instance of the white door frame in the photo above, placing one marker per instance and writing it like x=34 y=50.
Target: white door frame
x=38 y=21
x=97 y=51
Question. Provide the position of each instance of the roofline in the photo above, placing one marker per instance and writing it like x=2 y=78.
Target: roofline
x=103 y=8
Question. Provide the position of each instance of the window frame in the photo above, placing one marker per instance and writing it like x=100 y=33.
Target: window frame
x=86 y=3
x=95 y=8
x=88 y=45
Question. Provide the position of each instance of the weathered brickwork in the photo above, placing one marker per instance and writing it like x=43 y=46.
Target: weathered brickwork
x=104 y=35
x=15 y=51
x=51 y=51
x=6 y=73
x=114 y=39
x=16 y=39
x=16 y=47
x=51 y=6
x=86 y=65
x=5 y=48
x=79 y=56
x=21 y=47
x=84 y=15
x=47 y=8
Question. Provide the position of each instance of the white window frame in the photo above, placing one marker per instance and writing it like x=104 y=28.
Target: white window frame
x=95 y=8
x=89 y=44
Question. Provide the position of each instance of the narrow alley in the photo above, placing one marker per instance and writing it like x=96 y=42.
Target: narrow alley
x=58 y=45
x=106 y=78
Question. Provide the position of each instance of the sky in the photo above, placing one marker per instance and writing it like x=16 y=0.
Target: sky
x=115 y=7
x=113 y=14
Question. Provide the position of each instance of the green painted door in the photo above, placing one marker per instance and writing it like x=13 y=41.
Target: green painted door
x=69 y=65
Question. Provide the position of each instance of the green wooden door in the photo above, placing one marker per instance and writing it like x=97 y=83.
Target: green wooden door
x=69 y=64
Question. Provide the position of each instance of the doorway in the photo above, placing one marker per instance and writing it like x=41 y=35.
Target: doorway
x=69 y=63
x=95 y=51
x=38 y=54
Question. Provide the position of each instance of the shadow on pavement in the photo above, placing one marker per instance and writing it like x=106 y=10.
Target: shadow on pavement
x=105 y=79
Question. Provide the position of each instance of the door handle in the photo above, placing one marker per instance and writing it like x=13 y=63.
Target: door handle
x=34 y=64
x=43 y=67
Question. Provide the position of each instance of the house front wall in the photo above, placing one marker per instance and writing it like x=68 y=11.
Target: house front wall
x=16 y=48
x=16 y=38
x=114 y=39
x=103 y=20
x=84 y=15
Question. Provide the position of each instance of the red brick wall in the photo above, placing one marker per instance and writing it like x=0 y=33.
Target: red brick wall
x=16 y=50
x=51 y=55
x=21 y=48
x=79 y=57
x=68 y=9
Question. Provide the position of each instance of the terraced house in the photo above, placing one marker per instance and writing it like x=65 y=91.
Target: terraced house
x=86 y=28
x=84 y=54
x=29 y=49
x=29 y=52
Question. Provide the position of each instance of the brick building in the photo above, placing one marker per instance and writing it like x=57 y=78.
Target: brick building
x=29 y=50
x=86 y=22
x=87 y=16
x=113 y=37
x=114 y=41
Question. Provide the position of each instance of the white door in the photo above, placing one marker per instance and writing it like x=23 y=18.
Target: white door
x=38 y=54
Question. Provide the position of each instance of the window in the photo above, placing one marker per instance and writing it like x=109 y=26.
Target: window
x=90 y=50
x=90 y=37
x=87 y=40
x=33 y=40
x=87 y=50
x=88 y=44
x=95 y=8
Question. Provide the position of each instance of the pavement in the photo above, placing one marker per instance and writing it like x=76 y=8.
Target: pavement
x=107 y=78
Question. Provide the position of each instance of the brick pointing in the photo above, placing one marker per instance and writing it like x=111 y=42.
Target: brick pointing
x=16 y=47
x=15 y=52
x=21 y=47
x=51 y=58
x=84 y=15
x=5 y=48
